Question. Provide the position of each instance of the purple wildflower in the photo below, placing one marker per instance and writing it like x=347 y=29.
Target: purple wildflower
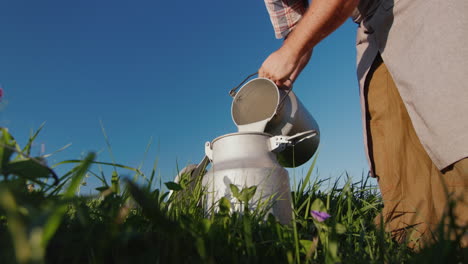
x=320 y=216
x=1 y=93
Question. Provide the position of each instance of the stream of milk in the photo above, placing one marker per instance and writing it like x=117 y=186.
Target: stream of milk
x=258 y=126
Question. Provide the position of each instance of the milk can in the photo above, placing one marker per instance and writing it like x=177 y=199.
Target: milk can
x=247 y=159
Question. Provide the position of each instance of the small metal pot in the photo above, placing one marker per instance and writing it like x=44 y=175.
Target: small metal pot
x=261 y=107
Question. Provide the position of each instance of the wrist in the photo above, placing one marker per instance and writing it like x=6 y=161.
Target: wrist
x=291 y=51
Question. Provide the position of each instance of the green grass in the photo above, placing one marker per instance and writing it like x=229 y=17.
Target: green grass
x=130 y=222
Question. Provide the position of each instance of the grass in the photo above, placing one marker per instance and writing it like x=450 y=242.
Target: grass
x=133 y=222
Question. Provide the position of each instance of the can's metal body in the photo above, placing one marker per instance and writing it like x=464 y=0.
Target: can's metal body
x=248 y=159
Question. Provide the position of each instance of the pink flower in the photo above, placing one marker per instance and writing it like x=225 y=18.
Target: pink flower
x=320 y=216
x=1 y=93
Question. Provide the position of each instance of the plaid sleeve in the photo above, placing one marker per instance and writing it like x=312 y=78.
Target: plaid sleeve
x=284 y=14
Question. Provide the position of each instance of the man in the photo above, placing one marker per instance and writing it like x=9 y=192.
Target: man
x=412 y=61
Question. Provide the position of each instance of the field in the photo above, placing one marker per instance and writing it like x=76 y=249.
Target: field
x=43 y=220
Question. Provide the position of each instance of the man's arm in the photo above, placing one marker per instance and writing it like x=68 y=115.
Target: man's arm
x=321 y=19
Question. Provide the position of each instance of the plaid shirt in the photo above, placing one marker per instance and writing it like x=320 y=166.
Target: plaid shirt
x=284 y=14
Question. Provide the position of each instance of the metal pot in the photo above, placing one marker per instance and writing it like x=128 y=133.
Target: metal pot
x=259 y=106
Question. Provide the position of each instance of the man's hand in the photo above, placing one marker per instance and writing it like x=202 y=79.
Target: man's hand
x=278 y=67
x=283 y=68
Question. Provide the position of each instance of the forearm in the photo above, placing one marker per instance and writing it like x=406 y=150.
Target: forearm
x=321 y=19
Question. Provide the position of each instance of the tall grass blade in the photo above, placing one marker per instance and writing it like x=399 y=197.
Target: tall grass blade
x=57 y=151
x=55 y=218
x=309 y=173
x=100 y=163
x=27 y=148
x=106 y=138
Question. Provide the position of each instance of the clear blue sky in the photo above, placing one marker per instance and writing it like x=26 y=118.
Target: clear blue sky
x=160 y=70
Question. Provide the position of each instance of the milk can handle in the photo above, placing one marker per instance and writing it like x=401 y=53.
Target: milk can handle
x=233 y=92
x=201 y=166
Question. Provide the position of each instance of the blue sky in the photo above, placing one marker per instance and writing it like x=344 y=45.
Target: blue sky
x=160 y=71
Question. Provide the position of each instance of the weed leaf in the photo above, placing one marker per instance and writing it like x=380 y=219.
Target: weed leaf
x=173 y=186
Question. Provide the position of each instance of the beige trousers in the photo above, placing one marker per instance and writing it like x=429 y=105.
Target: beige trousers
x=415 y=193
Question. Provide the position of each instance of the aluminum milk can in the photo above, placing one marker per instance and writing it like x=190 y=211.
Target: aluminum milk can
x=247 y=159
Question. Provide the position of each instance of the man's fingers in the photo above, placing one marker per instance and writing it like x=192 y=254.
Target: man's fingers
x=262 y=73
x=286 y=85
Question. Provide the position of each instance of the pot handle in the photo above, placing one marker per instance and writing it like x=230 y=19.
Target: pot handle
x=233 y=92
x=279 y=143
x=299 y=137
